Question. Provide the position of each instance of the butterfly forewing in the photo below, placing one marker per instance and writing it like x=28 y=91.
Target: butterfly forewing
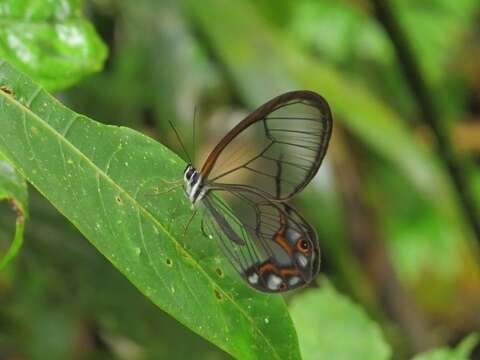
x=269 y=244
x=292 y=130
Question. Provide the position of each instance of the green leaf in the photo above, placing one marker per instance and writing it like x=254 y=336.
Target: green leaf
x=461 y=352
x=13 y=189
x=100 y=178
x=50 y=41
x=330 y=326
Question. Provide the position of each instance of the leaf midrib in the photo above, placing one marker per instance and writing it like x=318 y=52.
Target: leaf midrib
x=135 y=202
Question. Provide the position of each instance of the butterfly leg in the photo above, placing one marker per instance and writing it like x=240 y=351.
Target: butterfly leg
x=189 y=222
x=172 y=181
x=203 y=226
x=166 y=191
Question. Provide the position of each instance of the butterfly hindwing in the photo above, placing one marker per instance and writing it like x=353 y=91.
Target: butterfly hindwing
x=269 y=244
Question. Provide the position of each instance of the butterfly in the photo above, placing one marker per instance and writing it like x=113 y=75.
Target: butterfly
x=246 y=180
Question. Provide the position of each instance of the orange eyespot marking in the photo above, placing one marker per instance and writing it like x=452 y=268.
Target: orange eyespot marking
x=289 y=271
x=284 y=244
x=303 y=245
x=283 y=286
x=268 y=267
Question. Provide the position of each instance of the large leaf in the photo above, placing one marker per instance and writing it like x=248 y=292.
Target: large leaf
x=13 y=189
x=100 y=178
x=50 y=40
x=91 y=297
x=332 y=327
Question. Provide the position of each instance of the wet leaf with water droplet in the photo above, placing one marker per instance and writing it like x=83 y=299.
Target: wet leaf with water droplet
x=53 y=42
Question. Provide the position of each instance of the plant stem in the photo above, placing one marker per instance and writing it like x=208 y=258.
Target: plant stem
x=430 y=116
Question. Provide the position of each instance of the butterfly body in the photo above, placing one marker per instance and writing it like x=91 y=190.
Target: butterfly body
x=194 y=186
x=265 y=160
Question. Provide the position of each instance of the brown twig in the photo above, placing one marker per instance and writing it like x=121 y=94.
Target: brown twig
x=429 y=112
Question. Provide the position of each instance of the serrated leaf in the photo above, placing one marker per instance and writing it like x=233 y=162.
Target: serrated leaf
x=50 y=41
x=13 y=189
x=461 y=352
x=101 y=177
x=330 y=326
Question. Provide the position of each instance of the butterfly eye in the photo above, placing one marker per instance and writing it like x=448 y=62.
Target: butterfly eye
x=189 y=172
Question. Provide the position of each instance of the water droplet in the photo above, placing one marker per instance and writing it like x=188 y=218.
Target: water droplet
x=137 y=251
x=267 y=320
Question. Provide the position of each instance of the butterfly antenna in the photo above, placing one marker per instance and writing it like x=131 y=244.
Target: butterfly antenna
x=180 y=141
x=194 y=133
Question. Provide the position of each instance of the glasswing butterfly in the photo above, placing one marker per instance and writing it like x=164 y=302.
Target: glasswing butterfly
x=265 y=160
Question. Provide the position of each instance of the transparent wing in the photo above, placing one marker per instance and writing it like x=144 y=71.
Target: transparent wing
x=269 y=244
x=277 y=149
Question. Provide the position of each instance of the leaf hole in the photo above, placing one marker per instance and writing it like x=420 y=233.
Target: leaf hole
x=219 y=272
x=218 y=294
x=7 y=90
x=119 y=199
x=169 y=262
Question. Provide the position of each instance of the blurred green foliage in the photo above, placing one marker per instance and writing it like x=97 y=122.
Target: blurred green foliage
x=50 y=40
x=13 y=189
x=392 y=231
x=462 y=351
x=323 y=317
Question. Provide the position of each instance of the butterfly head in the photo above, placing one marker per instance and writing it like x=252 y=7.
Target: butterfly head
x=188 y=173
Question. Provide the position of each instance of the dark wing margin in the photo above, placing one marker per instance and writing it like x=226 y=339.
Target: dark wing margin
x=269 y=244
x=277 y=149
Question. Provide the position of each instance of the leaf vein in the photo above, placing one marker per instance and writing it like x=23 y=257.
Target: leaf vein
x=147 y=214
